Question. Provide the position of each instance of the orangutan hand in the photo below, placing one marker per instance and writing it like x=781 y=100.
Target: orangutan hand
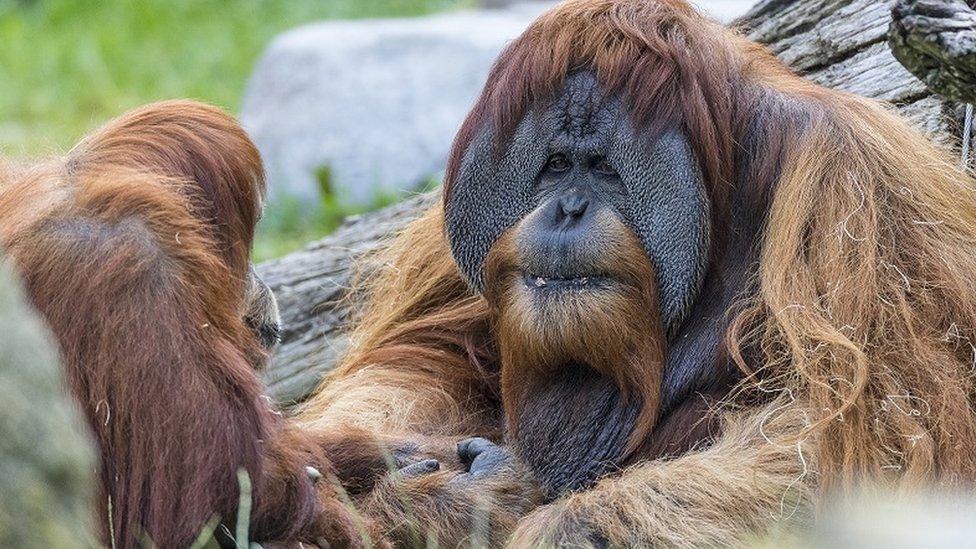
x=477 y=503
x=360 y=458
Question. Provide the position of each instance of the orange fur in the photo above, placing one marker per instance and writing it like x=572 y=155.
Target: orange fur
x=134 y=248
x=616 y=332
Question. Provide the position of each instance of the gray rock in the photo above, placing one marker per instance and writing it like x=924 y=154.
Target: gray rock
x=724 y=11
x=377 y=102
x=47 y=463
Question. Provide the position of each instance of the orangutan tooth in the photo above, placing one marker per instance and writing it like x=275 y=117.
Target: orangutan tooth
x=540 y=282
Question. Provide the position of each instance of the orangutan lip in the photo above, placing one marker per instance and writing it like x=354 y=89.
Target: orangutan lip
x=540 y=282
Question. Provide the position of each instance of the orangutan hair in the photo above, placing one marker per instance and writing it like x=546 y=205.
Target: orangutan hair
x=830 y=341
x=135 y=249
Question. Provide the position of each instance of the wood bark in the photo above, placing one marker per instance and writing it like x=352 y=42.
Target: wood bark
x=842 y=44
x=936 y=41
x=312 y=290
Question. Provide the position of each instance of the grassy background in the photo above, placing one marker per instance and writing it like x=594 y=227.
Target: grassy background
x=67 y=66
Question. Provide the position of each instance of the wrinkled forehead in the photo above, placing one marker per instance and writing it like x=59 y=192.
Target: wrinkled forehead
x=583 y=116
x=584 y=109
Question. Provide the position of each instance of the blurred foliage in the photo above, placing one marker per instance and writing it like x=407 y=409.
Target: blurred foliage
x=295 y=223
x=289 y=224
x=67 y=66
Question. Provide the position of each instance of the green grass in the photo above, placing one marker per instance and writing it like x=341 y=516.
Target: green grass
x=67 y=66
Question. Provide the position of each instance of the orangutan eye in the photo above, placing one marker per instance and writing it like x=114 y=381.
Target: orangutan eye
x=558 y=163
x=603 y=167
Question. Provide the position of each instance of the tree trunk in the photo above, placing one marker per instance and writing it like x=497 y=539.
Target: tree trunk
x=838 y=43
x=936 y=41
x=311 y=289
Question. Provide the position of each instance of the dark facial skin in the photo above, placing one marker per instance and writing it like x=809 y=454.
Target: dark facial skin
x=559 y=245
x=584 y=140
x=261 y=314
x=573 y=179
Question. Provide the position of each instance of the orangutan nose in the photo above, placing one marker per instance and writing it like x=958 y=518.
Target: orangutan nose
x=572 y=206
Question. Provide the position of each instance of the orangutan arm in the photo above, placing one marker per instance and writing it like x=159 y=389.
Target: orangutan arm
x=420 y=378
x=378 y=417
x=431 y=399
x=752 y=477
x=392 y=436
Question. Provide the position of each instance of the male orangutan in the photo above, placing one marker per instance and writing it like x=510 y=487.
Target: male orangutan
x=657 y=242
x=134 y=248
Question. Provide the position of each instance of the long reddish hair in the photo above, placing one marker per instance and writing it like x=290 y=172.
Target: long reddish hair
x=134 y=247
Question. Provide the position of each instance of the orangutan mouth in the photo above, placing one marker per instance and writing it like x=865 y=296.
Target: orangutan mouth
x=580 y=282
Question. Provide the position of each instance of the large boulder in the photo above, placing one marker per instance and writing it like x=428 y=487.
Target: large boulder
x=373 y=104
x=725 y=11
x=47 y=463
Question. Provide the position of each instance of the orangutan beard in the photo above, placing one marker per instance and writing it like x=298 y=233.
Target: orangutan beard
x=581 y=359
